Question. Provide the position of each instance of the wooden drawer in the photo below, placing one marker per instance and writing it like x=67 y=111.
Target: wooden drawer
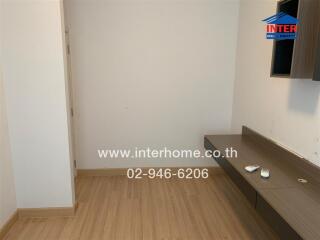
x=242 y=184
x=235 y=176
x=279 y=225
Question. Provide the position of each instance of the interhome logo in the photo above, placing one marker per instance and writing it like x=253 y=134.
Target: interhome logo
x=281 y=26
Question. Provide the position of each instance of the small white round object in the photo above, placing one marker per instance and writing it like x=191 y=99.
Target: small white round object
x=265 y=173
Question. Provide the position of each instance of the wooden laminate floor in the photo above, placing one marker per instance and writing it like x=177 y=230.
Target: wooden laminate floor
x=116 y=208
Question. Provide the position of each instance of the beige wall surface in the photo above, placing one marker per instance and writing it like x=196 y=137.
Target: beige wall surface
x=8 y=203
x=35 y=88
x=286 y=110
x=153 y=73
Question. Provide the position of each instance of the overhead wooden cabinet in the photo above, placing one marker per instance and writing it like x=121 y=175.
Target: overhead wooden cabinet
x=298 y=58
x=316 y=75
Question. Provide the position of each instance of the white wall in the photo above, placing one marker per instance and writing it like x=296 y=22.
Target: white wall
x=286 y=110
x=151 y=73
x=35 y=85
x=8 y=203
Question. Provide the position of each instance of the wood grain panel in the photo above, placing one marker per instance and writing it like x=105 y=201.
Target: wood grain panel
x=299 y=207
x=108 y=172
x=292 y=208
x=6 y=227
x=275 y=220
x=295 y=165
x=118 y=208
x=316 y=75
x=248 y=191
x=47 y=212
x=306 y=43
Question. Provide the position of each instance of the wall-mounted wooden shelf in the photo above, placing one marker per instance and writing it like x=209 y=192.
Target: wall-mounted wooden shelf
x=298 y=58
x=291 y=207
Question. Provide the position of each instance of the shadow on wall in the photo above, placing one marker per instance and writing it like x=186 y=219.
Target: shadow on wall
x=304 y=95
